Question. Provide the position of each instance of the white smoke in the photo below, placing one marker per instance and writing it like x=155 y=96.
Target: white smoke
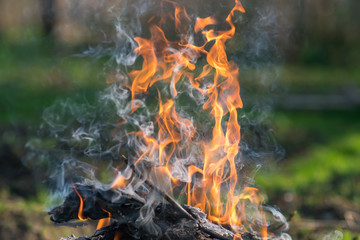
x=336 y=235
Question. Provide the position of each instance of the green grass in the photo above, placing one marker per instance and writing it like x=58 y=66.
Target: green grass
x=331 y=169
x=321 y=163
x=324 y=155
x=297 y=130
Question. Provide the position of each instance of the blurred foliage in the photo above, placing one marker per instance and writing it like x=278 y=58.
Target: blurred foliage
x=321 y=167
x=323 y=156
x=319 y=79
x=36 y=72
x=25 y=219
x=349 y=236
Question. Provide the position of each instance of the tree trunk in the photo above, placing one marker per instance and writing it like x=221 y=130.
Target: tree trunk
x=48 y=16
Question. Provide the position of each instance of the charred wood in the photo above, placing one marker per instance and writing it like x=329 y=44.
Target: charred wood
x=125 y=210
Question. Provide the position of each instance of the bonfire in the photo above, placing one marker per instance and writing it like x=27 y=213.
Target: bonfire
x=178 y=160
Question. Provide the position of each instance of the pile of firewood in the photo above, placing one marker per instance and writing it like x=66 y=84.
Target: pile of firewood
x=173 y=221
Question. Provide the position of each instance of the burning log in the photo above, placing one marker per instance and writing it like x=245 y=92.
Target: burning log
x=89 y=202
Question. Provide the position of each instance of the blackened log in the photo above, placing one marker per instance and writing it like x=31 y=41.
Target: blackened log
x=96 y=200
x=125 y=210
x=185 y=231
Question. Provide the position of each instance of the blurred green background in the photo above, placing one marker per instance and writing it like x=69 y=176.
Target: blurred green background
x=314 y=116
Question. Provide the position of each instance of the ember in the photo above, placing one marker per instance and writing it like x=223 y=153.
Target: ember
x=171 y=155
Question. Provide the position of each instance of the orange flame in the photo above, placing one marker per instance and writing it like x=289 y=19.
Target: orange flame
x=81 y=207
x=237 y=236
x=117 y=236
x=217 y=191
x=119 y=182
x=104 y=222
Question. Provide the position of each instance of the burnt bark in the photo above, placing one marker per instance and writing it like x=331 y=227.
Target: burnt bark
x=170 y=222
